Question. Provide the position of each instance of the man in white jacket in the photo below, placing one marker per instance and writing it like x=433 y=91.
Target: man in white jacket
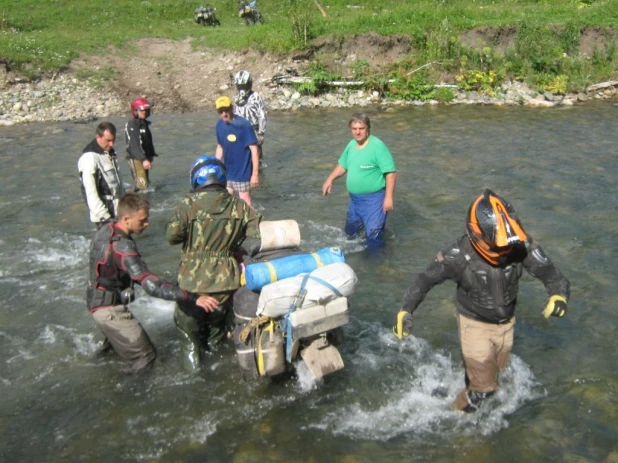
x=100 y=176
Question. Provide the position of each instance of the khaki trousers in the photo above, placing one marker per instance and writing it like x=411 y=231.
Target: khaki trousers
x=485 y=348
x=127 y=337
x=140 y=175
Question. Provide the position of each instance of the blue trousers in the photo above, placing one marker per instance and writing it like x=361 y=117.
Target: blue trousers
x=366 y=211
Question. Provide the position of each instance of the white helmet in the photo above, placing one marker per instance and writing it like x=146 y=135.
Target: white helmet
x=243 y=78
x=243 y=82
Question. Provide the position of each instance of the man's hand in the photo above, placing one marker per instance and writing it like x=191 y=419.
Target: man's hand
x=328 y=185
x=337 y=172
x=255 y=181
x=208 y=303
x=260 y=139
x=403 y=324
x=388 y=206
x=147 y=164
x=555 y=307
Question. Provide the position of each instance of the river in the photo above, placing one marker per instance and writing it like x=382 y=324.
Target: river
x=558 y=398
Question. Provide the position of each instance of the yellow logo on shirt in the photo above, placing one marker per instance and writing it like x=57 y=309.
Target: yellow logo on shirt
x=231 y=138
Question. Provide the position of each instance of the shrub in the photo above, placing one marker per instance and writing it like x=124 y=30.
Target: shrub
x=410 y=87
x=443 y=94
x=299 y=15
x=480 y=81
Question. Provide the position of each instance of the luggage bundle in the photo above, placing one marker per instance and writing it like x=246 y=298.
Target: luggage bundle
x=292 y=306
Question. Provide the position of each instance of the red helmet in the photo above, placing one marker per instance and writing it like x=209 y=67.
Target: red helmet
x=140 y=104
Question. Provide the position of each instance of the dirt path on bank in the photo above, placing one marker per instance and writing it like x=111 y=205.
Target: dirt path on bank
x=179 y=77
x=174 y=75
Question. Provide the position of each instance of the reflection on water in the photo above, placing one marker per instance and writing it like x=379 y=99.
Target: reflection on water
x=60 y=401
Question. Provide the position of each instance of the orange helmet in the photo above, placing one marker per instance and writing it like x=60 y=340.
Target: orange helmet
x=493 y=227
x=140 y=104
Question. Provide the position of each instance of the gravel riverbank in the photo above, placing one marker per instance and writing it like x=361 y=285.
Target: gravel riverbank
x=67 y=98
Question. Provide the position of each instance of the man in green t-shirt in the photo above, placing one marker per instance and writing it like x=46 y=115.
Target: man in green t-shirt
x=370 y=181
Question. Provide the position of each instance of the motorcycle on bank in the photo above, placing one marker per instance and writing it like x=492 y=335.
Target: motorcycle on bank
x=206 y=16
x=292 y=305
x=250 y=13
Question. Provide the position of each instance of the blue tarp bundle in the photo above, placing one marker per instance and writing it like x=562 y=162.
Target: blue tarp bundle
x=263 y=273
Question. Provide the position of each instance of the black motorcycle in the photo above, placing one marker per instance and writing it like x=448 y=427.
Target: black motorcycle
x=250 y=13
x=206 y=16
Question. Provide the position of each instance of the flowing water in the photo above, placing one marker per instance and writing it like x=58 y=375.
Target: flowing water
x=558 y=398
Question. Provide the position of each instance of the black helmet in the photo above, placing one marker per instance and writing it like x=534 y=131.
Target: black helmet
x=493 y=227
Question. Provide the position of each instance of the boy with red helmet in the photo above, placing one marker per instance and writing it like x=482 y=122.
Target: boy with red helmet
x=140 y=148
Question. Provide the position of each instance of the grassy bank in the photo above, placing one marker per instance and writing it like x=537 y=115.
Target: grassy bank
x=44 y=36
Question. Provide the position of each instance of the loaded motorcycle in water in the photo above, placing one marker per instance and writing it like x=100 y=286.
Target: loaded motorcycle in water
x=250 y=13
x=206 y=16
x=292 y=305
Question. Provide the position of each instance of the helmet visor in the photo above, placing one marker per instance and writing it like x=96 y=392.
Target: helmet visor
x=507 y=229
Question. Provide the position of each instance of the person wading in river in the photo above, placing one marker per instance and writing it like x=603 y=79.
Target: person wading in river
x=237 y=148
x=211 y=224
x=250 y=105
x=100 y=176
x=115 y=265
x=140 y=148
x=370 y=181
x=486 y=263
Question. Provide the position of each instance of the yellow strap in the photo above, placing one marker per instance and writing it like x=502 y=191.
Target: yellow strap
x=260 y=356
x=271 y=271
x=243 y=280
x=260 y=362
x=317 y=259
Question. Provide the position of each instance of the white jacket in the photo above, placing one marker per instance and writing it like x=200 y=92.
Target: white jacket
x=89 y=163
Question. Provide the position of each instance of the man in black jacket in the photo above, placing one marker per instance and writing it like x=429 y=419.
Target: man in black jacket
x=115 y=265
x=140 y=148
x=486 y=264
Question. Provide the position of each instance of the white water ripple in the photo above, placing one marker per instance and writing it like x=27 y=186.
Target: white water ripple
x=418 y=404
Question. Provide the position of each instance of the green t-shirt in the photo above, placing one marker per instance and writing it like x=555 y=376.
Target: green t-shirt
x=367 y=166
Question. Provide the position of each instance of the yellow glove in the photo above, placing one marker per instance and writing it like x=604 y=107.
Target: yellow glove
x=556 y=307
x=403 y=325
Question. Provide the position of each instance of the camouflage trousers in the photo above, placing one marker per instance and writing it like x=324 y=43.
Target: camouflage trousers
x=201 y=330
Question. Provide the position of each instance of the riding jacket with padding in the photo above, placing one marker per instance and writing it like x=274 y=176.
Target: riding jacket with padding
x=115 y=264
x=485 y=292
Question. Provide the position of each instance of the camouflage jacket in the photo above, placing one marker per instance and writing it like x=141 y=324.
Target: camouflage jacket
x=211 y=225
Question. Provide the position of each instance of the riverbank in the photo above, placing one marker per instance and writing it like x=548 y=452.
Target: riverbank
x=68 y=98
x=176 y=77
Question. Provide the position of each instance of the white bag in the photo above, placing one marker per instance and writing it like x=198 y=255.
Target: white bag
x=276 y=298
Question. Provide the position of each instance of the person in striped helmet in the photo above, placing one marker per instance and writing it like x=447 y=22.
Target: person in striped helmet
x=250 y=105
x=486 y=263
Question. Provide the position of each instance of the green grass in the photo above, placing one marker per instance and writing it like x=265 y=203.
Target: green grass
x=45 y=35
